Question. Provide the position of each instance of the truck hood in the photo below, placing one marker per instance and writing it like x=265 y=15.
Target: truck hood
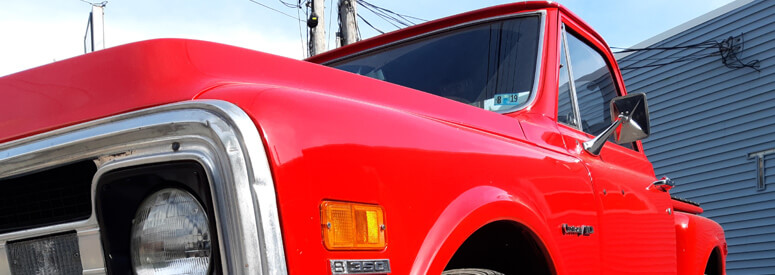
x=156 y=72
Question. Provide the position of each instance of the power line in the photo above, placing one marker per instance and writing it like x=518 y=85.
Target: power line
x=403 y=16
x=728 y=49
x=268 y=7
x=395 y=19
x=380 y=11
x=666 y=57
x=680 y=60
x=97 y=4
x=384 y=17
x=370 y=25
x=290 y=5
x=412 y=17
x=703 y=45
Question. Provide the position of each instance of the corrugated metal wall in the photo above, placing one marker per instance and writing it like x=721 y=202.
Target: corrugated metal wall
x=706 y=118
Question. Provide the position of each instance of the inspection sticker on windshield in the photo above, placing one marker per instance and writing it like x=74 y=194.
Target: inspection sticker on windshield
x=511 y=99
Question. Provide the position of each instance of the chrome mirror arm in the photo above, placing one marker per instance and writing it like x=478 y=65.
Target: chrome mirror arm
x=593 y=146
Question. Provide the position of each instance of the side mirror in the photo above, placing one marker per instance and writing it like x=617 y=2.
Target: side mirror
x=630 y=116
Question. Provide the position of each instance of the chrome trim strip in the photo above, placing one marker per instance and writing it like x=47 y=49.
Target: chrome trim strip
x=571 y=80
x=94 y=271
x=539 y=59
x=217 y=134
x=5 y=267
x=539 y=68
x=91 y=251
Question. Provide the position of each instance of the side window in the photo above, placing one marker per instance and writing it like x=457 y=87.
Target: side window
x=489 y=65
x=565 y=113
x=594 y=85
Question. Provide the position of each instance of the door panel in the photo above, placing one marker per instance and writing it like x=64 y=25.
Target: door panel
x=639 y=225
x=637 y=233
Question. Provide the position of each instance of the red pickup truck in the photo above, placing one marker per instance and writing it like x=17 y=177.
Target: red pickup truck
x=497 y=141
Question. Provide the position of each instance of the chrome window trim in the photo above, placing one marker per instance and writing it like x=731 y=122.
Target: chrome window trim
x=571 y=82
x=217 y=134
x=5 y=267
x=539 y=52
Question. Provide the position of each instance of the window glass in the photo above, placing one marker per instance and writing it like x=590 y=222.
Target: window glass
x=594 y=85
x=491 y=66
x=565 y=113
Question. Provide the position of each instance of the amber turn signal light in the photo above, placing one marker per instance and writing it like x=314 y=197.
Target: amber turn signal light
x=352 y=226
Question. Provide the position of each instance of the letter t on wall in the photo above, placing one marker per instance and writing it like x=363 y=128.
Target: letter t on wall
x=760 y=176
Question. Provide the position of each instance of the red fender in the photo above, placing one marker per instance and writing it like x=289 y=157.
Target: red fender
x=696 y=237
x=478 y=206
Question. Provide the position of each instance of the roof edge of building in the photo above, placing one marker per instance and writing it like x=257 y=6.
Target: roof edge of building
x=687 y=25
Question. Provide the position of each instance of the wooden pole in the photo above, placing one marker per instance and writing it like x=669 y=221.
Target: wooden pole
x=348 y=27
x=317 y=29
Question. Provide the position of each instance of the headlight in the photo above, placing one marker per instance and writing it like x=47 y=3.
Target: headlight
x=170 y=235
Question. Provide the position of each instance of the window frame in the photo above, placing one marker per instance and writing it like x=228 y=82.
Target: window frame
x=539 y=52
x=572 y=82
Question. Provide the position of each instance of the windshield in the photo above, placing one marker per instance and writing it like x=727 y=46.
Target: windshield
x=490 y=65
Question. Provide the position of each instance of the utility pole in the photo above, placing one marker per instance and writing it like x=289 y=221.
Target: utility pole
x=94 y=39
x=348 y=27
x=317 y=28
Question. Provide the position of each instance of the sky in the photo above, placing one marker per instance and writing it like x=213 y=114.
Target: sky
x=35 y=33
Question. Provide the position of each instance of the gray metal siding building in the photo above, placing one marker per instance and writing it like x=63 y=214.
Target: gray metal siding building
x=712 y=123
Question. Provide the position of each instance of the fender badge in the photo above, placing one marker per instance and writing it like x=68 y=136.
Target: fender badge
x=581 y=230
x=360 y=267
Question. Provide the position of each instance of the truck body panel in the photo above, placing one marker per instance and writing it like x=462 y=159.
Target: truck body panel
x=371 y=163
x=440 y=169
